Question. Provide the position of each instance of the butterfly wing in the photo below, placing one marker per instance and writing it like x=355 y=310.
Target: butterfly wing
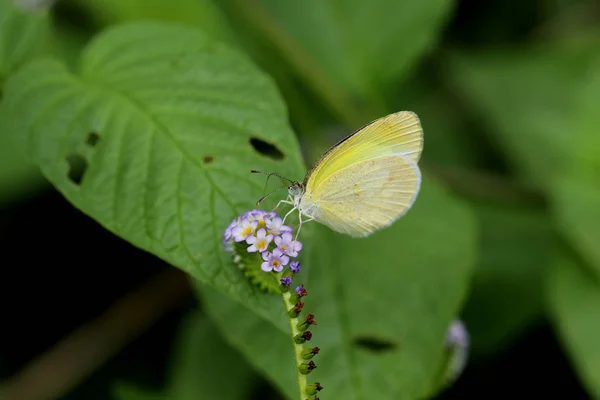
x=399 y=133
x=364 y=196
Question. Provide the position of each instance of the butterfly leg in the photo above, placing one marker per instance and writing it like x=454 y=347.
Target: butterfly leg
x=302 y=222
x=286 y=201
x=286 y=215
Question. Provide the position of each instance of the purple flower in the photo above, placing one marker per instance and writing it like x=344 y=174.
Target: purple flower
x=274 y=261
x=228 y=235
x=286 y=281
x=260 y=242
x=457 y=335
x=244 y=230
x=287 y=245
x=276 y=227
x=457 y=341
x=260 y=216
x=295 y=266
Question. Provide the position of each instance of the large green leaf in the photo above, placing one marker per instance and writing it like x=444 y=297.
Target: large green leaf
x=361 y=46
x=203 y=366
x=574 y=299
x=161 y=120
x=576 y=192
x=515 y=250
x=18 y=175
x=576 y=203
x=383 y=305
x=23 y=36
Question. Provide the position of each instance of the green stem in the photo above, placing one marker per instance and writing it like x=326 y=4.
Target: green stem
x=298 y=348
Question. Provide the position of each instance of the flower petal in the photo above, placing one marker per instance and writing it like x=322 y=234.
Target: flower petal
x=266 y=266
x=277 y=252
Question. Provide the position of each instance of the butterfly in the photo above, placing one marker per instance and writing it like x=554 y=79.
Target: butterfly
x=364 y=182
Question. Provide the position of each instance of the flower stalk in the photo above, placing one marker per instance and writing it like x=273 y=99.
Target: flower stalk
x=264 y=249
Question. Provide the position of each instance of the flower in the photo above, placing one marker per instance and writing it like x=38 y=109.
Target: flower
x=457 y=335
x=274 y=261
x=244 y=230
x=260 y=216
x=457 y=342
x=295 y=266
x=227 y=235
x=287 y=245
x=276 y=227
x=260 y=242
x=286 y=280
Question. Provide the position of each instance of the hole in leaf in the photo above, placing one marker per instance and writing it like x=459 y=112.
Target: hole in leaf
x=207 y=159
x=375 y=344
x=266 y=149
x=92 y=139
x=77 y=167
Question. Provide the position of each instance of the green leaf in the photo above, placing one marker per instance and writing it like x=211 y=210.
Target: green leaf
x=360 y=46
x=516 y=249
x=160 y=120
x=574 y=300
x=528 y=98
x=575 y=194
x=18 y=175
x=22 y=36
x=205 y=366
x=398 y=290
x=575 y=203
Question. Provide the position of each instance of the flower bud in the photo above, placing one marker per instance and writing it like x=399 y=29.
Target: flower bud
x=310 y=320
x=294 y=311
x=306 y=369
x=286 y=281
x=307 y=354
x=303 y=337
x=313 y=388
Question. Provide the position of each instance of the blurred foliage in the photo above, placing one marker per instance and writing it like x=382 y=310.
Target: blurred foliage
x=140 y=114
x=202 y=366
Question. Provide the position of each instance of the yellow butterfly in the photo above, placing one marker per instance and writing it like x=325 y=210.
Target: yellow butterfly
x=364 y=182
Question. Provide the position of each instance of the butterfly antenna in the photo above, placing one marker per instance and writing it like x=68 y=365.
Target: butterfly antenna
x=269 y=175
x=268 y=194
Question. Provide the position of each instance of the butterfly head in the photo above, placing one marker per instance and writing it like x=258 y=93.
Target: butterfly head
x=295 y=189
